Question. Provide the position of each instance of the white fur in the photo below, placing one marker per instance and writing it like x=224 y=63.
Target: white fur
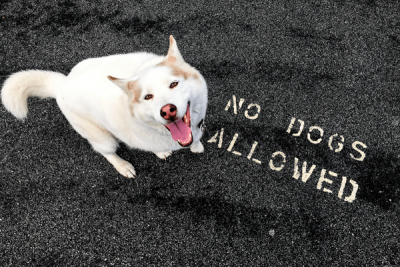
x=101 y=112
x=21 y=85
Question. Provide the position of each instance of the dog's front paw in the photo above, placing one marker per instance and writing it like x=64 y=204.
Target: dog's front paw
x=126 y=169
x=164 y=155
x=122 y=166
x=197 y=147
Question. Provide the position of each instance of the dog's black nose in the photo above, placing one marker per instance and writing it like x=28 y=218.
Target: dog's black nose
x=169 y=112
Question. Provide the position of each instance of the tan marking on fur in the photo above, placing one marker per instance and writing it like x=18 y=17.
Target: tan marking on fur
x=184 y=70
x=131 y=111
x=136 y=96
x=134 y=88
x=171 y=60
x=177 y=71
x=181 y=69
x=103 y=130
x=163 y=64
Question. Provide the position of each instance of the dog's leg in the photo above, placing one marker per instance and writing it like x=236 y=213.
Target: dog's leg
x=197 y=147
x=164 y=155
x=102 y=141
x=122 y=166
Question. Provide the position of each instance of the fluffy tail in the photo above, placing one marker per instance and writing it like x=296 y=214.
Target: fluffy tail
x=21 y=85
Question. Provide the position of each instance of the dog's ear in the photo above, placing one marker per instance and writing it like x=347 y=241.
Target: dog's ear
x=130 y=88
x=121 y=83
x=173 y=57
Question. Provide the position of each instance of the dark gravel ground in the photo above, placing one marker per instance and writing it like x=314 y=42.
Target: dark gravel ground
x=331 y=64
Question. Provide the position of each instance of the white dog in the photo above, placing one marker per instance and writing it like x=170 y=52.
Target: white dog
x=160 y=106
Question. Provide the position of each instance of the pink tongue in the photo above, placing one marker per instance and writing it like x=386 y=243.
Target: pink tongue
x=180 y=131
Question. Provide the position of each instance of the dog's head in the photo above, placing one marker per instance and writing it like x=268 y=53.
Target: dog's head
x=162 y=93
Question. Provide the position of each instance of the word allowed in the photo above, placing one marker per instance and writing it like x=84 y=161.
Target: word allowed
x=277 y=164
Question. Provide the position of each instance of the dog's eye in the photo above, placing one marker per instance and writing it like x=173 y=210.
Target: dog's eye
x=172 y=85
x=148 y=97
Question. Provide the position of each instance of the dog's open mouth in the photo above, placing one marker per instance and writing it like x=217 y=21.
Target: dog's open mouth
x=180 y=130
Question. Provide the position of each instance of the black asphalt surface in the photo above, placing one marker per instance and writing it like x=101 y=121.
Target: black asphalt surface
x=334 y=65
